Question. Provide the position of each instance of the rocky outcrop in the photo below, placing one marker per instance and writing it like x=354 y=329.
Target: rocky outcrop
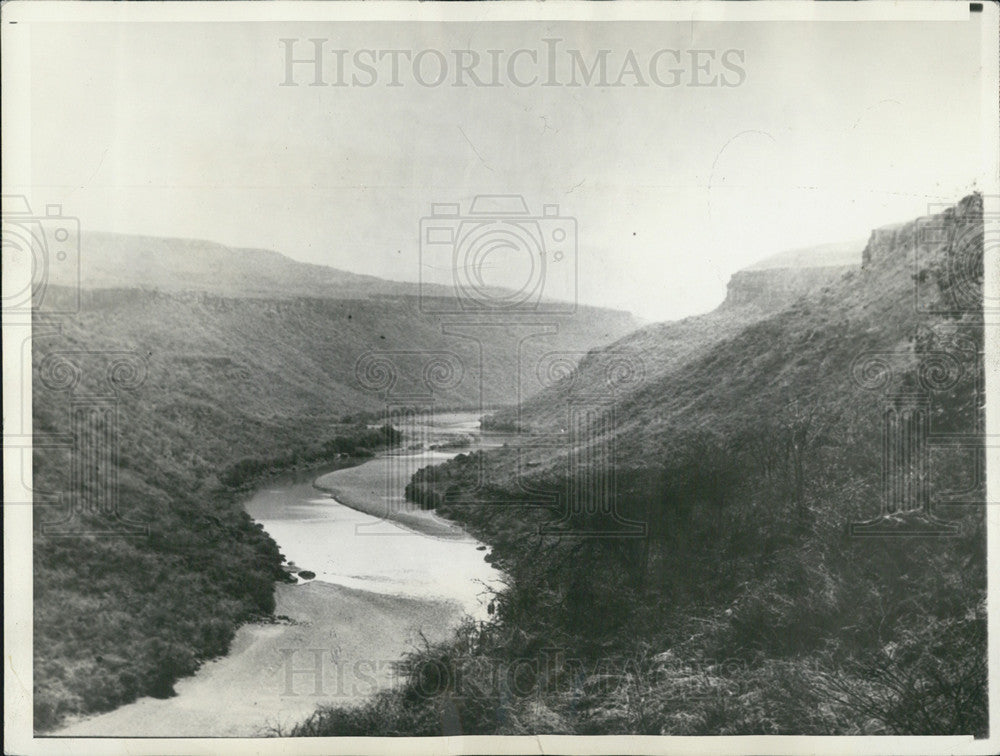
x=780 y=279
x=924 y=235
x=776 y=287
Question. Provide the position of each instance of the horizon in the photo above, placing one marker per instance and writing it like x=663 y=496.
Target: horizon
x=201 y=136
x=415 y=281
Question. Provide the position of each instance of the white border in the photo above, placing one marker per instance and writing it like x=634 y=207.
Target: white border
x=17 y=520
x=519 y=10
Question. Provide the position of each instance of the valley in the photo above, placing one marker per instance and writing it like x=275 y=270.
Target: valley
x=675 y=508
x=161 y=564
x=376 y=590
x=745 y=567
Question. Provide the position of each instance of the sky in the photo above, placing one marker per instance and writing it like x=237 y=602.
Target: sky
x=835 y=128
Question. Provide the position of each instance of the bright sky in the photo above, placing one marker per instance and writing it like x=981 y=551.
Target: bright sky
x=182 y=130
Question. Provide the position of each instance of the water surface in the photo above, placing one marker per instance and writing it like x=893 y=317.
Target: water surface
x=381 y=590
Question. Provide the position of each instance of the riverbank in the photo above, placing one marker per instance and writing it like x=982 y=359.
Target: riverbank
x=350 y=637
x=363 y=488
x=367 y=602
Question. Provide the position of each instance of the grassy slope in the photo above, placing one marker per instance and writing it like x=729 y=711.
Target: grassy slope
x=657 y=351
x=110 y=261
x=229 y=380
x=749 y=608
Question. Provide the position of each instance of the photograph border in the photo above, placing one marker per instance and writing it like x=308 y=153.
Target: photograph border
x=17 y=18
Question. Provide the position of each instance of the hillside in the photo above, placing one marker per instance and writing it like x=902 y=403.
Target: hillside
x=752 y=460
x=657 y=350
x=744 y=367
x=115 y=261
x=835 y=255
x=222 y=372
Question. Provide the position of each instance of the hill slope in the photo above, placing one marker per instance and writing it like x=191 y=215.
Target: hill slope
x=657 y=350
x=113 y=261
x=221 y=372
x=751 y=605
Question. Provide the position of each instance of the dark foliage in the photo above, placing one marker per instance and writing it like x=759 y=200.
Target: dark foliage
x=121 y=616
x=349 y=444
x=748 y=608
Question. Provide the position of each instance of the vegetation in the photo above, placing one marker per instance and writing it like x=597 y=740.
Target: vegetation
x=358 y=442
x=125 y=613
x=749 y=607
x=238 y=383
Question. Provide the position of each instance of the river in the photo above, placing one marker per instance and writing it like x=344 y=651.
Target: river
x=381 y=588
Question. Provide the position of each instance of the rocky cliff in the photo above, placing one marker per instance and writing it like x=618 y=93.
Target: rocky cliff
x=773 y=287
x=918 y=237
